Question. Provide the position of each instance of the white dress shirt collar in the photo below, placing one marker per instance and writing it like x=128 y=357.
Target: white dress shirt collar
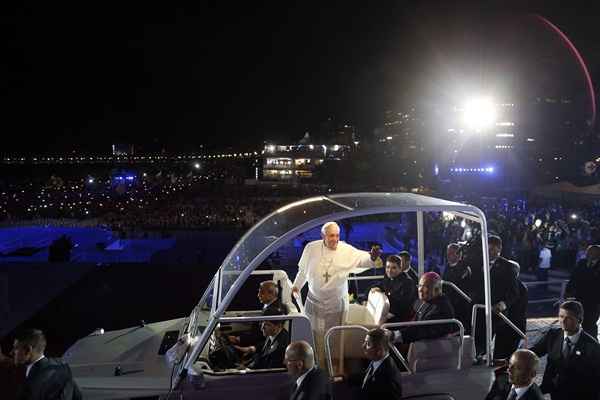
x=32 y=364
x=573 y=338
x=522 y=390
x=301 y=378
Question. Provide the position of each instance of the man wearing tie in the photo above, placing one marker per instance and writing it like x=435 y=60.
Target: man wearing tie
x=310 y=382
x=518 y=383
x=573 y=366
x=382 y=380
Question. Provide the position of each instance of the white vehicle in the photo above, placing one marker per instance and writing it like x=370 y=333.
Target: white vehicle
x=131 y=363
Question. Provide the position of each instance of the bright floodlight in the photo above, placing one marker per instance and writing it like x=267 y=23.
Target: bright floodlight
x=197 y=165
x=480 y=114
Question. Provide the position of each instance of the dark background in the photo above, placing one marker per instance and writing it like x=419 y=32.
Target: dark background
x=80 y=76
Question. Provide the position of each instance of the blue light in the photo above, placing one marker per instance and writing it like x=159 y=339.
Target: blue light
x=129 y=178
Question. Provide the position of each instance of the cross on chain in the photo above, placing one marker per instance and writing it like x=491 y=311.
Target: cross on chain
x=326 y=276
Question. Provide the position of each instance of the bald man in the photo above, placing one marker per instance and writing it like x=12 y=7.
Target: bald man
x=325 y=265
x=309 y=382
x=518 y=381
x=431 y=305
x=583 y=286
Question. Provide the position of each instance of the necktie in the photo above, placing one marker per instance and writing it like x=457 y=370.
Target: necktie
x=567 y=348
x=512 y=395
x=267 y=345
x=368 y=374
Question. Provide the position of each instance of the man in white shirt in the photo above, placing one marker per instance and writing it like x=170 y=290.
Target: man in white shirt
x=325 y=265
x=310 y=382
x=545 y=261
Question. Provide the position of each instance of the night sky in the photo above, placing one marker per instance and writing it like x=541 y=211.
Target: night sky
x=82 y=76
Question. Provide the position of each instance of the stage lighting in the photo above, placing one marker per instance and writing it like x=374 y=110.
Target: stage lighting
x=480 y=114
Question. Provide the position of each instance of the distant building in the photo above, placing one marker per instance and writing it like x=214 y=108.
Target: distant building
x=294 y=162
x=120 y=149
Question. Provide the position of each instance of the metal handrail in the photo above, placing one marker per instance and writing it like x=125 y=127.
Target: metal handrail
x=461 y=329
x=328 y=346
x=393 y=349
x=458 y=290
x=499 y=314
x=298 y=299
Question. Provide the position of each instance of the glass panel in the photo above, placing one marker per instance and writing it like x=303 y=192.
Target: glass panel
x=270 y=229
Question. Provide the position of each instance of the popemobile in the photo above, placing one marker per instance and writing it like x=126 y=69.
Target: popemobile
x=189 y=357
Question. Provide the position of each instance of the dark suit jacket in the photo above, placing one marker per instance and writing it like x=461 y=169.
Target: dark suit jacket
x=504 y=282
x=271 y=356
x=517 y=312
x=583 y=285
x=50 y=379
x=412 y=274
x=254 y=336
x=385 y=383
x=402 y=293
x=315 y=386
x=577 y=376
x=438 y=308
x=501 y=389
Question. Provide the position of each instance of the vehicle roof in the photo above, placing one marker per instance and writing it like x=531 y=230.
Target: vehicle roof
x=287 y=222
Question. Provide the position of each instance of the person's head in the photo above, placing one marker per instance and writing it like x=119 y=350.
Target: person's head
x=452 y=253
x=28 y=346
x=405 y=257
x=330 y=232
x=267 y=292
x=393 y=266
x=271 y=328
x=570 y=316
x=494 y=246
x=592 y=254
x=299 y=358
x=522 y=367
x=377 y=344
x=430 y=286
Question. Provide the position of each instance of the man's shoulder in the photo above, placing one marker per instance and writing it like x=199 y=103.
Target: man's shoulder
x=313 y=244
x=590 y=341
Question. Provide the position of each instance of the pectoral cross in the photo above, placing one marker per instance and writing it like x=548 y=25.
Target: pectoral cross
x=326 y=276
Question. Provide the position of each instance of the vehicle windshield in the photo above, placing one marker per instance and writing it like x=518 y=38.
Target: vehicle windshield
x=253 y=246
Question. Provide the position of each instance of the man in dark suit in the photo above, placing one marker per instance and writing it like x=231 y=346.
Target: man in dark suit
x=459 y=274
x=310 y=382
x=505 y=293
x=407 y=267
x=268 y=295
x=431 y=305
x=583 y=286
x=272 y=352
x=573 y=365
x=382 y=379
x=45 y=378
x=399 y=288
x=518 y=381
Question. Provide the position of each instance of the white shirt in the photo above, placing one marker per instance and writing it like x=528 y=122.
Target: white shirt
x=32 y=364
x=301 y=378
x=546 y=256
x=326 y=271
x=376 y=364
x=573 y=338
x=521 y=390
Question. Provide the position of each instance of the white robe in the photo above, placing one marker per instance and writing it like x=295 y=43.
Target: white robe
x=326 y=272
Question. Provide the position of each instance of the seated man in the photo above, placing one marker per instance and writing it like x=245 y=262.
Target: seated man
x=400 y=289
x=272 y=352
x=310 y=382
x=268 y=295
x=431 y=305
